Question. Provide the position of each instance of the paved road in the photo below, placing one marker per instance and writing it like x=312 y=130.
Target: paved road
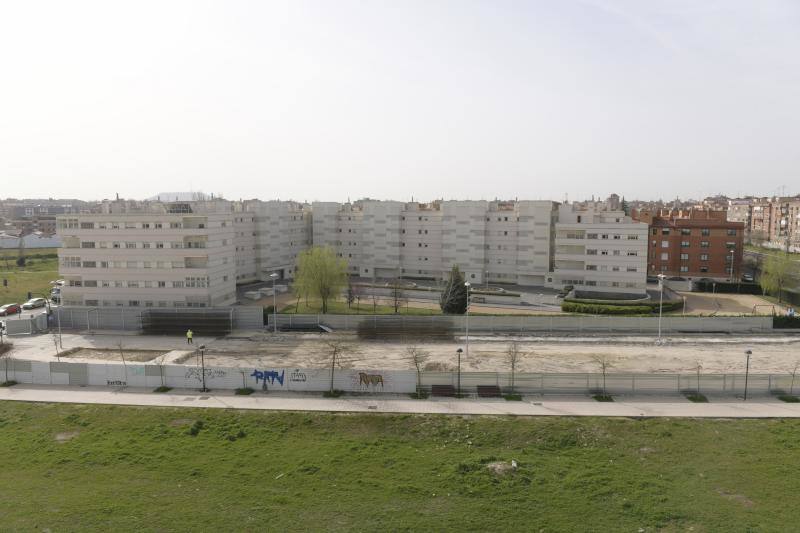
x=764 y=407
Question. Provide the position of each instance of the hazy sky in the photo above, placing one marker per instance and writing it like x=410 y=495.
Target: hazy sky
x=332 y=99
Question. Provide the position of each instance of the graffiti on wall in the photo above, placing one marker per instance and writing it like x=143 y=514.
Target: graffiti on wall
x=211 y=373
x=262 y=376
x=116 y=383
x=370 y=380
x=298 y=377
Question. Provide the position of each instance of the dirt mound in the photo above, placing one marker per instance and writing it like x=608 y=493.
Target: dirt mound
x=66 y=436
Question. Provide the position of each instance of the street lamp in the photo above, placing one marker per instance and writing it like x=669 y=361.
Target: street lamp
x=748 y=353
x=459 y=352
x=661 y=278
x=467 y=285
x=203 y=366
x=274 y=276
x=732 y=252
x=58 y=317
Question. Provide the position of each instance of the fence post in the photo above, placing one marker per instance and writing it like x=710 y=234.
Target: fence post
x=633 y=383
x=122 y=315
x=679 y=382
x=769 y=383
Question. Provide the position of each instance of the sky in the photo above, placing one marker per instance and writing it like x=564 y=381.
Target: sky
x=330 y=100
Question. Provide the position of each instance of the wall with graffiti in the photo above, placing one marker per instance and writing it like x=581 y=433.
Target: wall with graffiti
x=191 y=377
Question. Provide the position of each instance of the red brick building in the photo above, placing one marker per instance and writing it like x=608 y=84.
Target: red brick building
x=694 y=244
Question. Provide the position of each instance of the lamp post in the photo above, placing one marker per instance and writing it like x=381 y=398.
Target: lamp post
x=467 y=285
x=203 y=367
x=661 y=278
x=732 y=258
x=274 y=276
x=748 y=353
x=458 y=386
x=58 y=317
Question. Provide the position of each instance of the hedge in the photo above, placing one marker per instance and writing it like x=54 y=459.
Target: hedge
x=729 y=287
x=601 y=309
x=786 y=322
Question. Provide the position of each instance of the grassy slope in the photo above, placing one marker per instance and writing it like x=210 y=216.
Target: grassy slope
x=136 y=469
x=34 y=277
x=340 y=307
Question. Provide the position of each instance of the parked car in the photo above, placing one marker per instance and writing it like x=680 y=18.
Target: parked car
x=9 y=309
x=748 y=278
x=33 y=303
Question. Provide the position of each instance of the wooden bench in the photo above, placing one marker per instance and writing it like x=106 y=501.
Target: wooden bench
x=489 y=391
x=443 y=390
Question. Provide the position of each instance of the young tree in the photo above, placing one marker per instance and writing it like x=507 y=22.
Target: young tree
x=779 y=268
x=397 y=296
x=604 y=362
x=697 y=368
x=159 y=361
x=418 y=357
x=791 y=387
x=337 y=351
x=513 y=355
x=350 y=295
x=320 y=273
x=453 y=300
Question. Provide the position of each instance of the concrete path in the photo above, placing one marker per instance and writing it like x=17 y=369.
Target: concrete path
x=569 y=406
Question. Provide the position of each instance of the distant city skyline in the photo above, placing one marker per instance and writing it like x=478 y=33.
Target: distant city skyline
x=312 y=100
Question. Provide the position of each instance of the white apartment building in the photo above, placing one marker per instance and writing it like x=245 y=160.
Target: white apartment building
x=149 y=254
x=500 y=242
x=599 y=251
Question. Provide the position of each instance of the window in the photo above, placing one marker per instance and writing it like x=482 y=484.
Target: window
x=703 y=269
x=633 y=237
x=591 y=252
x=703 y=257
x=175 y=225
x=87 y=245
x=686 y=231
x=89 y=264
x=591 y=235
x=604 y=236
x=705 y=232
x=632 y=253
x=703 y=244
x=145 y=225
x=617 y=252
x=665 y=256
x=632 y=269
x=145 y=245
x=665 y=244
x=617 y=237
x=87 y=225
x=664 y=231
x=591 y=267
x=89 y=283
x=685 y=244
x=130 y=245
x=133 y=303
x=730 y=245
x=731 y=232
x=684 y=257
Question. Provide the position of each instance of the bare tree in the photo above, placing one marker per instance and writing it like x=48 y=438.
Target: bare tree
x=350 y=294
x=397 y=296
x=513 y=355
x=358 y=293
x=337 y=350
x=794 y=374
x=159 y=361
x=604 y=362
x=7 y=359
x=418 y=358
x=55 y=342
x=122 y=356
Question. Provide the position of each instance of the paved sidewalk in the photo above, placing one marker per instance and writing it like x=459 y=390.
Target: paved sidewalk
x=642 y=407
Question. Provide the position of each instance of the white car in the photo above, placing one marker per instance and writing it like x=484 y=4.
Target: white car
x=33 y=303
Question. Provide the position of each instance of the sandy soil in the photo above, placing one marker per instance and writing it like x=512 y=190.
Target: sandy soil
x=543 y=354
x=112 y=354
x=726 y=304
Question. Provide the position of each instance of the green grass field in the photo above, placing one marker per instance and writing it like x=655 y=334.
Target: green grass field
x=35 y=276
x=72 y=467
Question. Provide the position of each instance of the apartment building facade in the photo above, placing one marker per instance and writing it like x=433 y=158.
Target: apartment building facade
x=695 y=243
x=599 y=250
x=498 y=242
x=149 y=255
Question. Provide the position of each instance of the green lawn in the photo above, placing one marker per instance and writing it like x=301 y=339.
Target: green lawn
x=35 y=276
x=109 y=468
x=340 y=307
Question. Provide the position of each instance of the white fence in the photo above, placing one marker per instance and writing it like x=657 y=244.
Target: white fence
x=267 y=378
x=126 y=318
x=25 y=325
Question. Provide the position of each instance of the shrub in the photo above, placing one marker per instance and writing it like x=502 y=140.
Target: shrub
x=196 y=427
x=419 y=395
x=9 y=383
x=513 y=397
x=267 y=313
x=621 y=308
x=728 y=287
x=162 y=388
x=245 y=391
x=603 y=398
x=332 y=394
x=696 y=397
x=788 y=398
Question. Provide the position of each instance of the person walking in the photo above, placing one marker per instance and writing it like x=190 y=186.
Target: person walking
x=189 y=335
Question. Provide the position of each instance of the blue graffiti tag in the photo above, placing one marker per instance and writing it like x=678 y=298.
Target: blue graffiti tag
x=268 y=375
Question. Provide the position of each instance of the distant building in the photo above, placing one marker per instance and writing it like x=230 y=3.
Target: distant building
x=697 y=243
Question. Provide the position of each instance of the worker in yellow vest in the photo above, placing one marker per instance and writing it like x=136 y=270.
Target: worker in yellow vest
x=189 y=335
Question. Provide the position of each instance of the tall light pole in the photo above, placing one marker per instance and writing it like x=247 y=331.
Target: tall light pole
x=732 y=256
x=58 y=318
x=748 y=353
x=458 y=387
x=467 y=285
x=203 y=366
x=274 y=276
x=661 y=278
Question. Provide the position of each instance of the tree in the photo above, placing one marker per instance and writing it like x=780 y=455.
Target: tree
x=351 y=295
x=779 y=268
x=697 y=368
x=337 y=350
x=604 y=362
x=320 y=273
x=453 y=300
x=21 y=252
x=159 y=361
x=513 y=355
x=791 y=387
x=625 y=207
x=396 y=294
x=418 y=357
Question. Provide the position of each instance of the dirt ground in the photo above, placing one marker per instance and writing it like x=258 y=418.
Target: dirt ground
x=113 y=354
x=542 y=354
x=703 y=303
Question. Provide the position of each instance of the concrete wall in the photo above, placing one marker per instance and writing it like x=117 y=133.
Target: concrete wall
x=537 y=324
x=375 y=381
